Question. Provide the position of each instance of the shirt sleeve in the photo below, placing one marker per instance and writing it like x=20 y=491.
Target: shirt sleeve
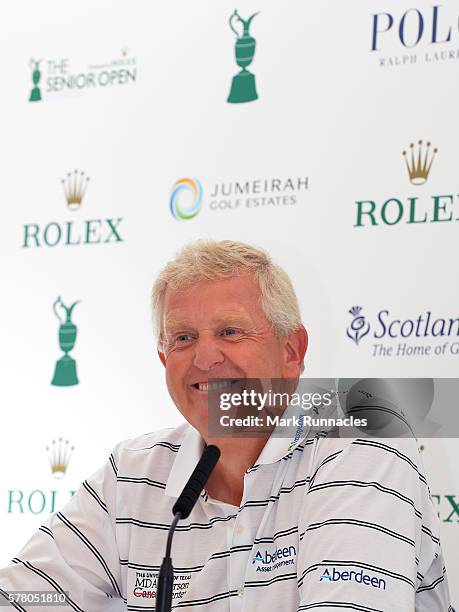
x=75 y=551
x=369 y=535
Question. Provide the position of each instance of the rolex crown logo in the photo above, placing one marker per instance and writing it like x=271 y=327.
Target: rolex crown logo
x=59 y=457
x=419 y=163
x=75 y=184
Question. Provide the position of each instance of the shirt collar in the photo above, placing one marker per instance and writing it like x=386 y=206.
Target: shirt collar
x=281 y=443
x=188 y=455
x=192 y=447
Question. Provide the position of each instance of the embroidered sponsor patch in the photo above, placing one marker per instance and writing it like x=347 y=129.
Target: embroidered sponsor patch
x=144 y=584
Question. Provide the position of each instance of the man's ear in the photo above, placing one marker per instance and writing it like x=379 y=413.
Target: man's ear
x=296 y=346
x=162 y=356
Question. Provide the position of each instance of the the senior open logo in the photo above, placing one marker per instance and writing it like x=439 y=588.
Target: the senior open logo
x=63 y=76
x=186 y=198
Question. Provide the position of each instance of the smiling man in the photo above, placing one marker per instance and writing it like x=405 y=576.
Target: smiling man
x=218 y=329
x=304 y=524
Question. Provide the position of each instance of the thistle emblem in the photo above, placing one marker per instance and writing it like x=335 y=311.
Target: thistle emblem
x=359 y=326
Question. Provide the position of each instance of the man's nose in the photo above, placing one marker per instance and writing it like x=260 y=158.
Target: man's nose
x=207 y=355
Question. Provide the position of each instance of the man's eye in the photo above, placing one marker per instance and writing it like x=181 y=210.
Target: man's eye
x=183 y=338
x=230 y=331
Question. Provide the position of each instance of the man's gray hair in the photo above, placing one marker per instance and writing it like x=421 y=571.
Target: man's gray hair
x=212 y=260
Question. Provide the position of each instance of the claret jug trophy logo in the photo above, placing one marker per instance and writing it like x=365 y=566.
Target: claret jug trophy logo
x=35 y=94
x=418 y=163
x=74 y=188
x=243 y=87
x=65 y=374
x=59 y=454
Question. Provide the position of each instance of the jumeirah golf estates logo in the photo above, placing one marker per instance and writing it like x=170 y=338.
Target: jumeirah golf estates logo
x=76 y=231
x=65 y=372
x=420 y=208
x=243 y=88
x=74 y=186
x=359 y=326
x=186 y=198
x=59 y=454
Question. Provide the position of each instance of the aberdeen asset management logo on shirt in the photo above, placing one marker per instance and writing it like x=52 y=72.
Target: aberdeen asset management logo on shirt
x=269 y=561
x=335 y=575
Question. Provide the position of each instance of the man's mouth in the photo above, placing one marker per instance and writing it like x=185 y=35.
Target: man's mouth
x=213 y=385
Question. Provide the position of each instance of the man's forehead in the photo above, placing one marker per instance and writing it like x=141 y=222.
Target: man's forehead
x=223 y=300
x=190 y=316
x=244 y=281
x=239 y=289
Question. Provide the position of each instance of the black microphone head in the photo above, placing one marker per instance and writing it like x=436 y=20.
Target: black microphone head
x=197 y=481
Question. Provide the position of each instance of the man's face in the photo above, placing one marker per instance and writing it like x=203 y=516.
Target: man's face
x=217 y=329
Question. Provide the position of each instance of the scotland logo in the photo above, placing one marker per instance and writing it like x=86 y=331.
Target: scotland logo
x=359 y=326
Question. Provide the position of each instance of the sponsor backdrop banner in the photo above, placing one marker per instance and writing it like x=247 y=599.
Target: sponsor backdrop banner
x=323 y=132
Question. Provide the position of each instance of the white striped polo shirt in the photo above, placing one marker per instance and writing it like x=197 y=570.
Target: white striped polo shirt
x=324 y=524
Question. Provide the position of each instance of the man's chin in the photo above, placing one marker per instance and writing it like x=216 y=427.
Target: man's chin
x=196 y=413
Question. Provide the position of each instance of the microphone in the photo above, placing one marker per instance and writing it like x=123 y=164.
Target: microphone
x=181 y=510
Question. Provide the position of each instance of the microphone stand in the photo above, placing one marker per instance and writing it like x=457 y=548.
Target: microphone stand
x=181 y=510
x=166 y=573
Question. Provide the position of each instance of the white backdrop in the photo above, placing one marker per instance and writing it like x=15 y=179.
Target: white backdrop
x=135 y=96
